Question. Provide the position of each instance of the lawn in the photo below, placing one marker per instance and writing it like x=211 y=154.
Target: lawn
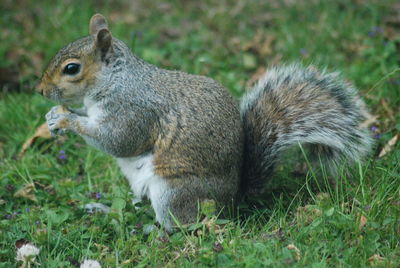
x=307 y=219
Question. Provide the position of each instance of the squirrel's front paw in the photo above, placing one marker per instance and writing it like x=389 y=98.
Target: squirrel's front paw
x=58 y=120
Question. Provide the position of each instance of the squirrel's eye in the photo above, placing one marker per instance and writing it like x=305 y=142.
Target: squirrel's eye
x=72 y=68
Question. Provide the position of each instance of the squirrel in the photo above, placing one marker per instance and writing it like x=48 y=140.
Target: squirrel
x=180 y=138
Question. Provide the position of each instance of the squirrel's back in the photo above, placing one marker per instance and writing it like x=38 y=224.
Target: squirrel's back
x=201 y=127
x=293 y=105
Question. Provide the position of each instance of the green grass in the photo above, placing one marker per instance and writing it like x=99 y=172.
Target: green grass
x=223 y=40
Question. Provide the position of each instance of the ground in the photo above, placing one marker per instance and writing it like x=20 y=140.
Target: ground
x=305 y=220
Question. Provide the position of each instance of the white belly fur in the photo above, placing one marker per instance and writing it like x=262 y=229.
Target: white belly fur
x=144 y=182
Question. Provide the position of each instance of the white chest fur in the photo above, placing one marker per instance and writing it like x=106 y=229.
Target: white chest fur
x=94 y=112
x=145 y=183
x=139 y=171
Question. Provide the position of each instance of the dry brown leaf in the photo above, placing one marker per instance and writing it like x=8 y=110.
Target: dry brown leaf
x=28 y=192
x=296 y=251
x=41 y=132
x=266 y=46
x=255 y=42
x=376 y=258
x=255 y=77
x=387 y=108
x=104 y=249
x=261 y=44
x=369 y=121
x=389 y=146
x=363 y=222
x=307 y=214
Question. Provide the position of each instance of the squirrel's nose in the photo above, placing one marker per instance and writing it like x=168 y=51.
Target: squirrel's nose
x=39 y=88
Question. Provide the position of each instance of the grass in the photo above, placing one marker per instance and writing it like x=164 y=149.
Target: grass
x=304 y=221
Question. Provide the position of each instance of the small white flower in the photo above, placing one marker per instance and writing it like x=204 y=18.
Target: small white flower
x=90 y=264
x=27 y=253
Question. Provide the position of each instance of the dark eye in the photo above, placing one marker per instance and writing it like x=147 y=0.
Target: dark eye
x=72 y=68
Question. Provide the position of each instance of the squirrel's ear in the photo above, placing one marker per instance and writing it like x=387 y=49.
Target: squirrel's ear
x=97 y=22
x=103 y=43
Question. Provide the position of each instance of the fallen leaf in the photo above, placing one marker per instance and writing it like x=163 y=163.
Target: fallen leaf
x=41 y=132
x=73 y=202
x=308 y=214
x=255 y=43
x=296 y=251
x=375 y=259
x=369 y=121
x=102 y=248
x=389 y=146
x=387 y=108
x=266 y=47
x=255 y=77
x=363 y=222
x=261 y=44
x=212 y=225
x=28 y=192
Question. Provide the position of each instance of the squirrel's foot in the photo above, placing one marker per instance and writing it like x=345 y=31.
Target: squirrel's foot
x=58 y=120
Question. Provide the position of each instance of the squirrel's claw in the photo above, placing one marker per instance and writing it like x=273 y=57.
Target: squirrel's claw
x=57 y=121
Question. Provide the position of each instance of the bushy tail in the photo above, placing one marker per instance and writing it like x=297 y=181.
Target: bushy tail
x=293 y=105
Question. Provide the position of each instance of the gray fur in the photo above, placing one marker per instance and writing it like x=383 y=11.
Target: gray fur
x=292 y=105
x=192 y=127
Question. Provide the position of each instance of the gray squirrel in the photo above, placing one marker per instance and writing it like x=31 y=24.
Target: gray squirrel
x=181 y=139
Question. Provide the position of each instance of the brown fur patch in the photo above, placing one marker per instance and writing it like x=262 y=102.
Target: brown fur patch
x=64 y=123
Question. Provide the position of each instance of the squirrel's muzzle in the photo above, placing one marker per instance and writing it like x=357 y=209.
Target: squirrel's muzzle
x=39 y=89
x=43 y=88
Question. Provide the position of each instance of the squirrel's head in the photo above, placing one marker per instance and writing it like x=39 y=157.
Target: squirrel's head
x=76 y=68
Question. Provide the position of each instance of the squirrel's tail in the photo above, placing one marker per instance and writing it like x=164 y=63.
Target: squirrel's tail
x=293 y=105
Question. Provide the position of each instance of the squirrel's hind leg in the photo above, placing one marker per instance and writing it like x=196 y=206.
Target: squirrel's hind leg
x=188 y=194
x=144 y=182
x=174 y=198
